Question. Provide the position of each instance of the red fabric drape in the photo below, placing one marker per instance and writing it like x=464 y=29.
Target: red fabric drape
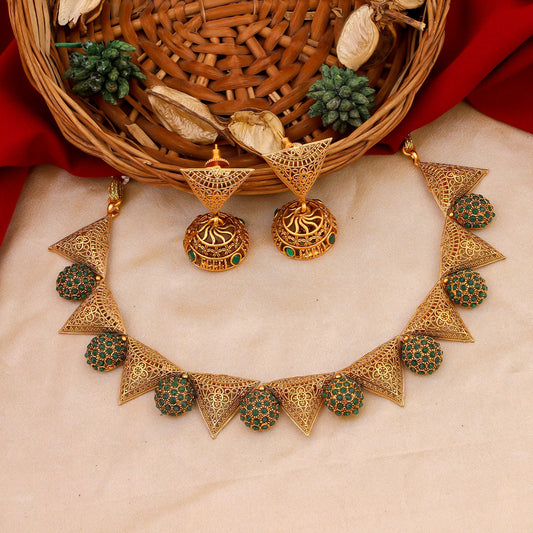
x=487 y=58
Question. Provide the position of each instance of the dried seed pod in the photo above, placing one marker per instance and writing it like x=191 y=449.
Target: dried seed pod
x=409 y=4
x=184 y=114
x=70 y=11
x=359 y=38
x=260 y=133
x=387 y=42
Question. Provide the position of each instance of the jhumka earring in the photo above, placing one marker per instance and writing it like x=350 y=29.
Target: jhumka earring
x=302 y=229
x=216 y=241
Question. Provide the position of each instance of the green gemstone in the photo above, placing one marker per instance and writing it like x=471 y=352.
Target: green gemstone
x=236 y=259
x=331 y=238
x=192 y=256
x=289 y=251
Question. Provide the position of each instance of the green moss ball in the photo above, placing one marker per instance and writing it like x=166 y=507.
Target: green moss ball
x=259 y=410
x=75 y=282
x=106 y=351
x=174 y=395
x=473 y=211
x=343 y=396
x=421 y=354
x=466 y=288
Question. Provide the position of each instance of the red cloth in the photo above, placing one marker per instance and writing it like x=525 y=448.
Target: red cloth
x=487 y=58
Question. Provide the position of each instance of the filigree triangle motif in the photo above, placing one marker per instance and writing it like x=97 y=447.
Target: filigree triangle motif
x=97 y=314
x=299 y=165
x=437 y=317
x=214 y=185
x=88 y=245
x=301 y=398
x=219 y=397
x=142 y=370
x=447 y=183
x=380 y=371
x=461 y=249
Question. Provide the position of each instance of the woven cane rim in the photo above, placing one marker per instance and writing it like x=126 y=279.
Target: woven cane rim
x=79 y=123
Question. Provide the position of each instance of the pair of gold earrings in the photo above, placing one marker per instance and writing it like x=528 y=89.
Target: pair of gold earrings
x=302 y=229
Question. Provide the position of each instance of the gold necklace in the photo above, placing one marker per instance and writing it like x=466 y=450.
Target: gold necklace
x=220 y=397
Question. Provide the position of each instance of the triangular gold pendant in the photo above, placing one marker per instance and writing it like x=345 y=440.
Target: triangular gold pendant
x=301 y=398
x=299 y=165
x=98 y=314
x=449 y=182
x=380 y=371
x=219 y=397
x=89 y=245
x=214 y=185
x=437 y=317
x=142 y=370
x=461 y=249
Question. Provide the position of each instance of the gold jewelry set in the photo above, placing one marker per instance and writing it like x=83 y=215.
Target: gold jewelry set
x=302 y=229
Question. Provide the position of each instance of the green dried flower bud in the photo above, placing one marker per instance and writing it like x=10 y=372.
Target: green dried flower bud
x=343 y=98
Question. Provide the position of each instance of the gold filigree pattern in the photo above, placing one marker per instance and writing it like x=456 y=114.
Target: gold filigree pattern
x=308 y=234
x=98 y=314
x=142 y=370
x=299 y=165
x=214 y=185
x=437 y=317
x=380 y=371
x=218 y=243
x=89 y=245
x=449 y=182
x=219 y=397
x=461 y=249
x=301 y=398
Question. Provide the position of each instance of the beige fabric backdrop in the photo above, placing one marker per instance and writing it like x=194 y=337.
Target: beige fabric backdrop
x=457 y=457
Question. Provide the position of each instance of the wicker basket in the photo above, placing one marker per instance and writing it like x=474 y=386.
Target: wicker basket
x=233 y=54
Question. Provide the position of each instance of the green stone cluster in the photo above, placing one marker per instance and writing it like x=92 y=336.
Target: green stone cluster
x=421 y=354
x=343 y=396
x=174 y=395
x=103 y=68
x=466 y=288
x=106 y=351
x=259 y=410
x=343 y=98
x=473 y=211
x=75 y=282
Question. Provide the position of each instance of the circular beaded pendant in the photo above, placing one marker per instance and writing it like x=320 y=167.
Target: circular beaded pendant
x=466 y=288
x=343 y=396
x=421 y=354
x=75 y=282
x=106 y=351
x=473 y=211
x=174 y=396
x=259 y=410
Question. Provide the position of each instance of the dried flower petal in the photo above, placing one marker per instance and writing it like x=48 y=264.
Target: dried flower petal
x=260 y=133
x=183 y=114
x=358 y=39
x=70 y=10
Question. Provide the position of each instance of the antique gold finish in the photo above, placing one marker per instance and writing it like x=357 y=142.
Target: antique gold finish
x=301 y=398
x=380 y=371
x=437 y=317
x=408 y=149
x=142 y=370
x=302 y=229
x=89 y=245
x=216 y=241
x=98 y=314
x=219 y=397
x=461 y=249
